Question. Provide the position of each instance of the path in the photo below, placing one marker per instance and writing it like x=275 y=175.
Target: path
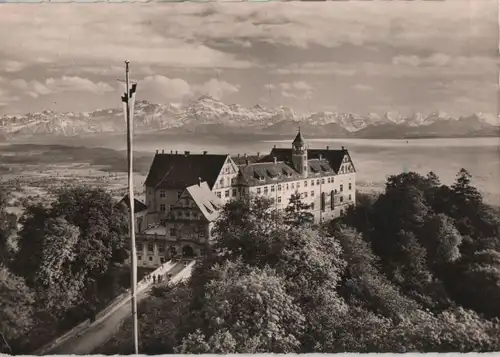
x=102 y=330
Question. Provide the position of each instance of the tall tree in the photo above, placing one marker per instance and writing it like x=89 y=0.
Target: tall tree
x=297 y=212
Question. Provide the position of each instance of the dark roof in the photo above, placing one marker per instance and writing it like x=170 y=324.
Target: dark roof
x=334 y=157
x=138 y=205
x=242 y=160
x=299 y=139
x=181 y=170
x=266 y=173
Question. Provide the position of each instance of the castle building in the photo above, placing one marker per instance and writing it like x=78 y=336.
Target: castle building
x=185 y=192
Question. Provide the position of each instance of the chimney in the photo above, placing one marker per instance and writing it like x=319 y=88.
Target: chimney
x=186 y=153
x=171 y=152
x=199 y=181
x=275 y=160
x=320 y=157
x=175 y=152
x=246 y=162
x=238 y=156
x=245 y=155
x=205 y=152
x=163 y=151
x=274 y=146
x=157 y=151
x=258 y=154
x=327 y=147
x=343 y=148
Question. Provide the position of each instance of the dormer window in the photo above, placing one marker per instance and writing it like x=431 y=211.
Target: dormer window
x=162 y=193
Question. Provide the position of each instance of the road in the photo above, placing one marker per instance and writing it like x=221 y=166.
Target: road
x=100 y=332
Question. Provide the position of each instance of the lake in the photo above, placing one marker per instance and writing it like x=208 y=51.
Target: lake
x=376 y=159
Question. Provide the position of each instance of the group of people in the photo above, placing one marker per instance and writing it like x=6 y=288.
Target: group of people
x=157 y=278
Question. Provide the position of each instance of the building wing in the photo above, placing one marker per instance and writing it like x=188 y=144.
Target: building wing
x=334 y=158
x=178 y=171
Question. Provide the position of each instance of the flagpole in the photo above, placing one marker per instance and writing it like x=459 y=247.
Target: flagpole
x=133 y=253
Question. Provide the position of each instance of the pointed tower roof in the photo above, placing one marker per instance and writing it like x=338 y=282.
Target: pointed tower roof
x=299 y=139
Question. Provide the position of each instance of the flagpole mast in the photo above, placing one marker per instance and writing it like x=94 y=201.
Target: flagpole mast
x=133 y=253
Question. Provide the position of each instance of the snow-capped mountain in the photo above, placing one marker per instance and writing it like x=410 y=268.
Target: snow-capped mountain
x=208 y=115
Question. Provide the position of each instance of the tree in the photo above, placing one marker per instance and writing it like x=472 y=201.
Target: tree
x=442 y=241
x=59 y=282
x=16 y=307
x=7 y=227
x=297 y=213
x=246 y=310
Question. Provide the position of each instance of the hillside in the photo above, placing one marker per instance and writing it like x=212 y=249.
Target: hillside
x=209 y=116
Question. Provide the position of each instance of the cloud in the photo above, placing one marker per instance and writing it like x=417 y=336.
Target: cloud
x=363 y=87
x=163 y=89
x=36 y=88
x=11 y=66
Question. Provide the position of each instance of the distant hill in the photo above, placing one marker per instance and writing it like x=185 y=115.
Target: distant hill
x=209 y=116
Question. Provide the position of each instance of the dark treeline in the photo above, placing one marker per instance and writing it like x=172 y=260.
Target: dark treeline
x=65 y=265
x=416 y=269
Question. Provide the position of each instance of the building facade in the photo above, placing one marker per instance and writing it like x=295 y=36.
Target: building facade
x=185 y=192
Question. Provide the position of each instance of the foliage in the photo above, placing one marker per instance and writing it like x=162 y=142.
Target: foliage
x=16 y=306
x=297 y=213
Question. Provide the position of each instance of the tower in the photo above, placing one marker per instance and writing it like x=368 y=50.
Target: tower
x=299 y=155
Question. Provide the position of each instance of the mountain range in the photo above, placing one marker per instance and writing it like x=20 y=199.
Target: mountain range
x=207 y=115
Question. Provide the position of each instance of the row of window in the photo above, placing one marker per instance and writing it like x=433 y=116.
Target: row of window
x=163 y=194
x=292 y=186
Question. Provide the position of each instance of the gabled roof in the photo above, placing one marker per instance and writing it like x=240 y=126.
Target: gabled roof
x=178 y=171
x=242 y=160
x=138 y=205
x=334 y=157
x=265 y=173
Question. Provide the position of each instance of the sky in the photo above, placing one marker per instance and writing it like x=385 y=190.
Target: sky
x=355 y=56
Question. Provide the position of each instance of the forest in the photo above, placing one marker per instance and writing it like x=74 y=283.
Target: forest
x=413 y=269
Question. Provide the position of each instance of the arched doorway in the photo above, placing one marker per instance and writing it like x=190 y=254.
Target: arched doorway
x=173 y=252
x=187 y=252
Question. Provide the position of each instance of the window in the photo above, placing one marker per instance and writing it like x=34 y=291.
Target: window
x=350 y=186
x=150 y=259
x=305 y=194
x=234 y=192
x=226 y=193
x=172 y=232
x=163 y=222
x=266 y=190
x=258 y=190
x=233 y=180
x=162 y=193
x=322 y=180
x=293 y=186
x=317 y=182
x=341 y=188
x=179 y=194
x=312 y=193
x=279 y=187
x=139 y=257
x=139 y=247
x=287 y=186
x=312 y=182
x=279 y=199
x=221 y=181
x=150 y=247
x=341 y=199
x=305 y=168
x=202 y=234
x=272 y=188
x=162 y=260
x=163 y=208
x=305 y=183
x=312 y=206
x=161 y=248
x=298 y=184
x=187 y=214
x=218 y=194
x=350 y=198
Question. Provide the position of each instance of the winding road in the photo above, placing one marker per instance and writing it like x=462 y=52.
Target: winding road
x=102 y=330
